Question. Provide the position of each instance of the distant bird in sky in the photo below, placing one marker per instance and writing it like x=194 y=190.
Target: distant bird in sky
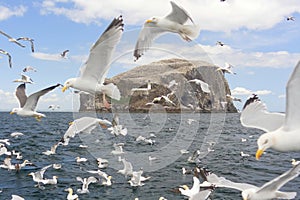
x=29 y=68
x=174 y=22
x=227 y=69
x=94 y=72
x=28 y=39
x=64 y=53
x=24 y=79
x=204 y=86
x=9 y=57
x=220 y=43
x=28 y=104
x=11 y=39
x=290 y=18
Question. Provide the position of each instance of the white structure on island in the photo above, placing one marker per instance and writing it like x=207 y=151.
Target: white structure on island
x=142 y=91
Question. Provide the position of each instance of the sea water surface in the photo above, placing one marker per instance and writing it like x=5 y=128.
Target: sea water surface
x=173 y=132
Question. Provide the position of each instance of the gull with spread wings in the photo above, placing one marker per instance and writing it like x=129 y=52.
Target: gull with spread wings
x=174 y=22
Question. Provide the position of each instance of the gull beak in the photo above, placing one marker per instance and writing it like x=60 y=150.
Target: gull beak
x=258 y=154
x=64 y=88
x=103 y=125
x=12 y=113
x=71 y=123
x=149 y=21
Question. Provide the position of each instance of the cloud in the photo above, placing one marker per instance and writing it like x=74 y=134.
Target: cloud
x=243 y=91
x=47 y=56
x=6 y=12
x=210 y=15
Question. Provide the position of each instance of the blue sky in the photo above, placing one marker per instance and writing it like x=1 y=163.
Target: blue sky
x=261 y=44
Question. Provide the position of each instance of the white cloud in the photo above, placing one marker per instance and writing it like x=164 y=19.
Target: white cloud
x=211 y=15
x=47 y=56
x=6 y=12
x=243 y=91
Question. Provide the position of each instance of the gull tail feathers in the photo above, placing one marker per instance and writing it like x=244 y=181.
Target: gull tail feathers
x=286 y=195
x=189 y=32
x=112 y=91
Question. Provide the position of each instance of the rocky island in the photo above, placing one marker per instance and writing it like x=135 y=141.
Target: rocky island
x=171 y=85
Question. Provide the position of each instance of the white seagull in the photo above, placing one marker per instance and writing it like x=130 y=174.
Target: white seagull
x=268 y=191
x=128 y=169
x=28 y=39
x=106 y=178
x=85 y=184
x=28 y=104
x=8 y=55
x=282 y=130
x=29 y=68
x=24 y=79
x=11 y=39
x=227 y=69
x=174 y=22
x=96 y=67
x=117 y=129
x=204 y=86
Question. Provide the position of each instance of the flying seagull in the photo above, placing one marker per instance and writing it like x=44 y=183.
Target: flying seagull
x=11 y=39
x=227 y=69
x=64 y=53
x=282 y=130
x=24 y=79
x=290 y=18
x=28 y=104
x=28 y=39
x=28 y=68
x=96 y=67
x=220 y=43
x=204 y=86
x=268 y=191
x=9 y=56
x=174 y=22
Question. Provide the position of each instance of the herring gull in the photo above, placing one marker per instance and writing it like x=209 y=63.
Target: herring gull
x=174 y=22
x=282 y=130
x=94 y=71
x=28 y=104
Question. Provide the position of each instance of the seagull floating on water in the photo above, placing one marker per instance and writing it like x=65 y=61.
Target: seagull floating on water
x=70 y=195
x=117 y=129
x=28 y=104
x=174 y=22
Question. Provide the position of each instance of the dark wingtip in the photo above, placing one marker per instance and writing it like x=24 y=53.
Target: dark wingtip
x=250 y=100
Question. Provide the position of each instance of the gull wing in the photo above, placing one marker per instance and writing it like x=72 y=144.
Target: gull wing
x=292 y=100
x=21 y=95
x=127 y=167
x=91 y=179
x=178 y=14
x=98 y=63
x=202 y=195
x=223 y=182
x=281 y=180
x=148 y=33
x=255 y=115
x=99 y=172
x=79 y=179
x=11 y=38
x=32 y=100
x=40 y=174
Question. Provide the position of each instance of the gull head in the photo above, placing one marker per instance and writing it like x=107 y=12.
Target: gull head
x=264 y=142
x=68 y=83
x=154 y=20
x=14 y=111
x=248 y=193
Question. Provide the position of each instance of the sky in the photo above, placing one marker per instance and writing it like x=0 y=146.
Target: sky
x=259 y=42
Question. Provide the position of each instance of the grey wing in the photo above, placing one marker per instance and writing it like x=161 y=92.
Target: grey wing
x=255 y=115
x=79 y=179
x=42 y=171
x=98 y=63
x=32 y=100
x=91 y=179
x=21 y=95
x=281 y=180
x=9 y=60
x=178 y=14
x=292 y=100
x=6 y=35
x=145 y=39
x=223 y=182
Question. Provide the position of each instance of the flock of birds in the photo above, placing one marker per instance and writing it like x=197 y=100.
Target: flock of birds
x=281 y=129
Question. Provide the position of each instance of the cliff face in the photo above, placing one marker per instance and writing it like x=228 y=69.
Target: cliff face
x=171 y=77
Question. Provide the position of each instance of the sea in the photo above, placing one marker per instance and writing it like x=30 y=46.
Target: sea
x=219 y=137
